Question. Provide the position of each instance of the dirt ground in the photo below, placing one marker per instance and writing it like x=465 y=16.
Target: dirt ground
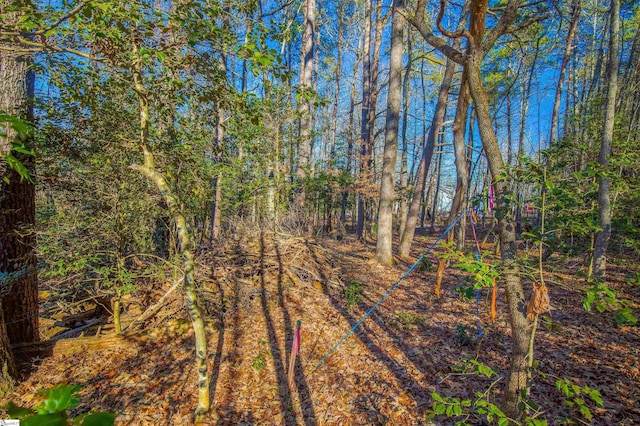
x=257 y=287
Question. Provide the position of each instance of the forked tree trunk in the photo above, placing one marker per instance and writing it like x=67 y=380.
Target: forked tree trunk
x=384 y=254
x=478 y=48
x=191 y=298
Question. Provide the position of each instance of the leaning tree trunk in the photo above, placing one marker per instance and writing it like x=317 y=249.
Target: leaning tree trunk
x=184 y=237
x=18 y=277
x=406 y=237
x=517 y=379
x=604 y=196
x=384 y=254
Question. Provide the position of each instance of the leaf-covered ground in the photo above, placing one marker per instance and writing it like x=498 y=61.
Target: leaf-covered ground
x=413 y=344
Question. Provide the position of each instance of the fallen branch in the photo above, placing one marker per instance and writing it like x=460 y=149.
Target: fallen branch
x=73 y=331
x=153 y=310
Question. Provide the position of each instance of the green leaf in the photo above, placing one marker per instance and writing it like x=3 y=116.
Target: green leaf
x=16 y=412
x=503 y=421
x=457 y=410
x=52 y=419
x=22 y=149
x=17 y=166
x=449 y=410
x=497 y=411
x=98 y=419
x=60 y=398
x=538 y=422
x=596 y=397
x=584 y=410
x=436 y=396
x=439 y=408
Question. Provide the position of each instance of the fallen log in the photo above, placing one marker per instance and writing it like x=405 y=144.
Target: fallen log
x=124 y=342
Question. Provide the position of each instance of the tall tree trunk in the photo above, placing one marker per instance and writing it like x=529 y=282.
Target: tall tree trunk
x=517 y=379
x=336 y=90
x=305 y=105
x=576 y=6
x=527 y=85
x=18 y=277
x=604 y=196
x=350 y=136
x=404 y=166
x=364 y=124
x=384 y=254
x=216 y=211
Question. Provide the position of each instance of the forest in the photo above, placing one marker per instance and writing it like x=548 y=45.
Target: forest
x=340 y=212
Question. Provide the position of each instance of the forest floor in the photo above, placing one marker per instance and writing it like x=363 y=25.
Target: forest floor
x=255 y=288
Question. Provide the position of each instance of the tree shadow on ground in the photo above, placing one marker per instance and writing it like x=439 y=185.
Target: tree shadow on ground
x=284 y=395
x=366 y=336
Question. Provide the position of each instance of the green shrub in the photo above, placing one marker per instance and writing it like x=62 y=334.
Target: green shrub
x=52 y=411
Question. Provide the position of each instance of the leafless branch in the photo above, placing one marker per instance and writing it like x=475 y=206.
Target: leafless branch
x=417 y=20
x=64 y=17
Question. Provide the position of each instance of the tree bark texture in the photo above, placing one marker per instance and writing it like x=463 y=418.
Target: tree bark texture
x=305 y=102
x=384 y=254
x=460 y=154
x=186 y=247
x=364 y=123
x=18 y=275
x=404 y=166
x=604 y=196
x=184 y=236
x=478 y=48
x=516 y=303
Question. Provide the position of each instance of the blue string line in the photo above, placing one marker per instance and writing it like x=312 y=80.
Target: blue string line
x=388 y=292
